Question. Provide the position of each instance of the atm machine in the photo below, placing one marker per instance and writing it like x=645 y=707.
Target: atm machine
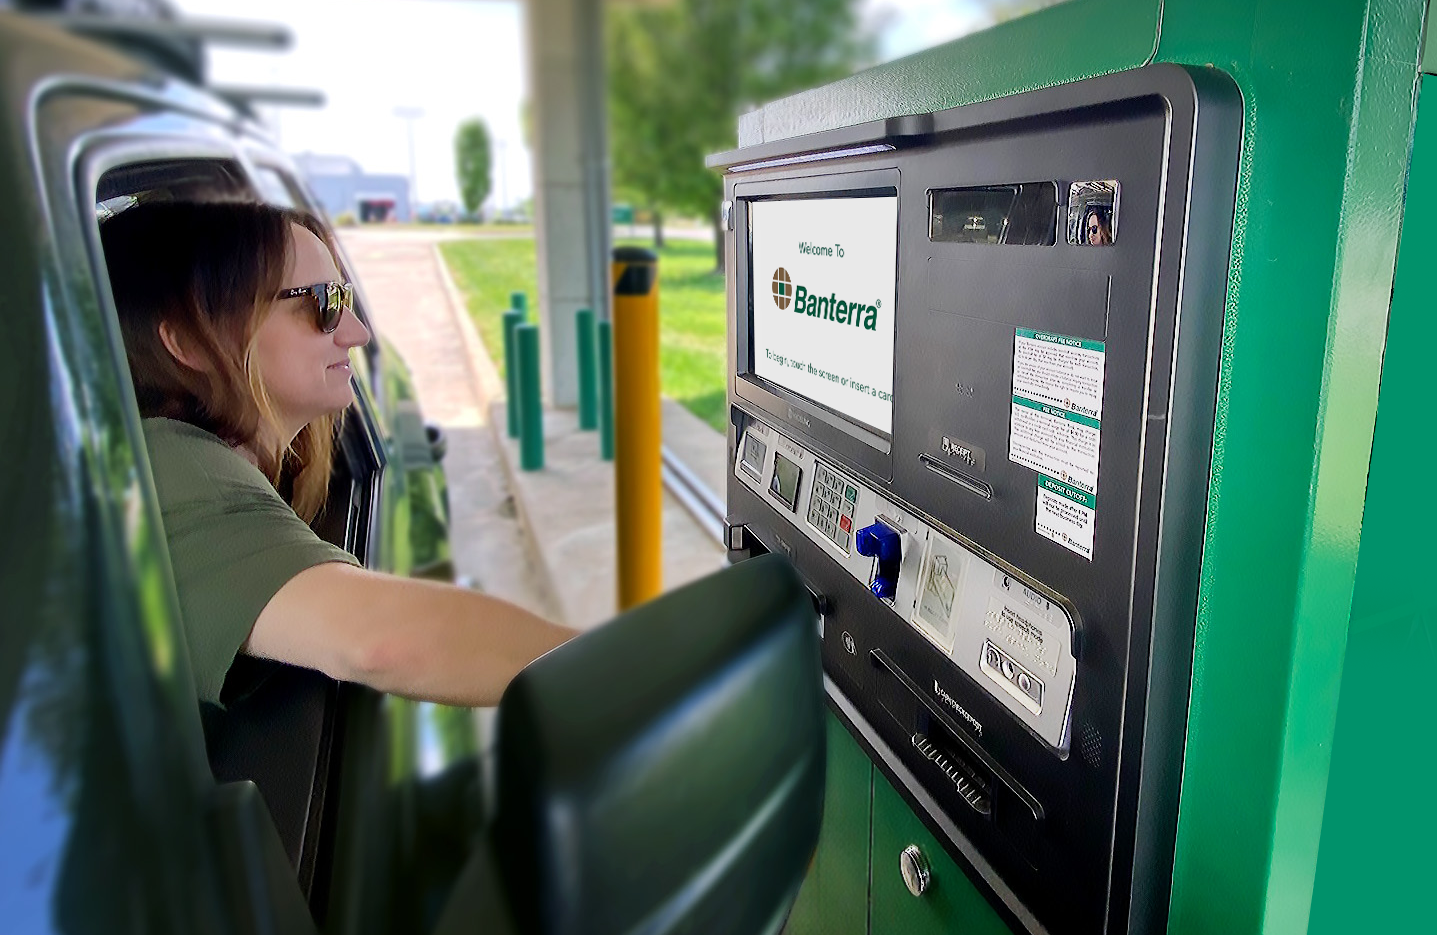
x=973 y=370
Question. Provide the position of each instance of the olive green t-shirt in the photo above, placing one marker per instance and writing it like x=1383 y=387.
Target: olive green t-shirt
x=233 y=541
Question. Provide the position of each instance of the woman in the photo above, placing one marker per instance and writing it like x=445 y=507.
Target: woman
x=1097 y=231
x=238 y=332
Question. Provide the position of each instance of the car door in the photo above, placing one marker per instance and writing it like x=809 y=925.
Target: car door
x=338 y=764
x=104 y=794
x=91 y=120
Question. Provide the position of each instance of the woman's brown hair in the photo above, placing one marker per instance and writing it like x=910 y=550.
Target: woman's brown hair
x=211 y=271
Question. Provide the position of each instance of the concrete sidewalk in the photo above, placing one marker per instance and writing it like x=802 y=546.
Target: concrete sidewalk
x=568 y=510
x=411 y=306
x=543 y=539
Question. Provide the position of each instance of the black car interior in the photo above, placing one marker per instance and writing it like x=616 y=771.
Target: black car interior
x=663 y=773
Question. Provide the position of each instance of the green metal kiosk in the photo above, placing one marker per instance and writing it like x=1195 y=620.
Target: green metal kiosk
x=1080 y=367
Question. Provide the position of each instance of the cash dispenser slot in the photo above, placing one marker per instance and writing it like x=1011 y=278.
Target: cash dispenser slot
x=988 y=791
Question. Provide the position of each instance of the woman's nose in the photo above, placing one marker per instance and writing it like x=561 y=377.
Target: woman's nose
x=351 y=331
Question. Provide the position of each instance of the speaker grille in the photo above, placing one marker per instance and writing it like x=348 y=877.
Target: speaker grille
x=1091 y=745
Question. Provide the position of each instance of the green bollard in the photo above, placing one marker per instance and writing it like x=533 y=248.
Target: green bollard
x=606 y=390
x=588 y=388
x=531 y=405
x=519 y=302
x=512 y=319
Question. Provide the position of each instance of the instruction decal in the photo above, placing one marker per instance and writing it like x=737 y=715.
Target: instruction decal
x=1065 y=515
x=1056 y=430
x=940 y=583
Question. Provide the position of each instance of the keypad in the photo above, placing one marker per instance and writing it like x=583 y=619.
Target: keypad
x=831 y=505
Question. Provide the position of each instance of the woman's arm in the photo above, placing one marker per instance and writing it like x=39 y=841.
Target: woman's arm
x=419 y=639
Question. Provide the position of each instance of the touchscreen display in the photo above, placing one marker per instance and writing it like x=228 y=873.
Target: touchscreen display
x=825 y=273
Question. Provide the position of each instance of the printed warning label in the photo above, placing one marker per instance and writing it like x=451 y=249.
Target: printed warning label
x=1060 y=371
x=1066 y=515
x=1055 y=442
x=1056 y=429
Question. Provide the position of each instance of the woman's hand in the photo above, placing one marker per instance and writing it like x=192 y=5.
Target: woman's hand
x=419 y=639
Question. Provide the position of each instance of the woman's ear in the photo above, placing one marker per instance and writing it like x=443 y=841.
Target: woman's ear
x=179 y=349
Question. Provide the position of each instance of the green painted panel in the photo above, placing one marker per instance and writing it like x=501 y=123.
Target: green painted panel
x=834 y=897
x=1328 y=102
x=1429 y=47
x=1328 y=111
x=1076 y=39
x=1376 y=864
x=951 y=904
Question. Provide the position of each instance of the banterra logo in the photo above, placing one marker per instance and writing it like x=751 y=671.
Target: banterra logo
x=830 y=307
x=782 y=288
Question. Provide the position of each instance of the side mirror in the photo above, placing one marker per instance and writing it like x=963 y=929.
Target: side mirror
x=665 y=772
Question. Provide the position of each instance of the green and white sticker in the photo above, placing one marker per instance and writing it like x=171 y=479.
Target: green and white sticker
x=1056 y=429
x=1066 y=515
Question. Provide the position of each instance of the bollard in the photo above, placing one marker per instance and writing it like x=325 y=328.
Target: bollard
x=519 y=302
x=531 y=404
x=588 y=380
x=638 y=477
x=512 y=319
x=605 y=334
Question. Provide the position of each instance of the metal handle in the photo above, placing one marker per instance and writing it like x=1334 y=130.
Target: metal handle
x=917 y=875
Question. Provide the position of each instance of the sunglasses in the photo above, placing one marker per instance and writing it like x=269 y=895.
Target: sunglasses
x=330 y=301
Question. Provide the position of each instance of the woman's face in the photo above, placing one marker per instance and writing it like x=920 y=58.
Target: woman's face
x=1097 y=230
x=306 y=371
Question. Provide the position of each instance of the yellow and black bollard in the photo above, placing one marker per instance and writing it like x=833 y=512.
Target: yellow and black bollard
x=638 y=478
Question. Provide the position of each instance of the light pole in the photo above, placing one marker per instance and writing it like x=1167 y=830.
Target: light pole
x=503 y=187
x=409 y=115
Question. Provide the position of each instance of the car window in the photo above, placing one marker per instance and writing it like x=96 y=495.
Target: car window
x=170 y=180
x=275 y=188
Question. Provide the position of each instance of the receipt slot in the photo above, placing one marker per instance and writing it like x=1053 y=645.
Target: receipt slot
x=973 y=368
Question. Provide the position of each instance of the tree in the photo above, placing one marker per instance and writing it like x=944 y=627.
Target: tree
x=473 y=164
x=644 y=120
x=680 y=74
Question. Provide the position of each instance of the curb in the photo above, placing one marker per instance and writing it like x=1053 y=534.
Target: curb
x=481 y=365
x=491 y=392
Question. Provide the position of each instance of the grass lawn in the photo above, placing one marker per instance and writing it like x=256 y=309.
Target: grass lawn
x=513 y=229
x=692 y=322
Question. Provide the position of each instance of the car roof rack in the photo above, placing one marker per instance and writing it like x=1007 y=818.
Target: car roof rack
x=177 y=45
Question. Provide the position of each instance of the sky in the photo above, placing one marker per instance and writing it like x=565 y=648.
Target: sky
x=452 y=59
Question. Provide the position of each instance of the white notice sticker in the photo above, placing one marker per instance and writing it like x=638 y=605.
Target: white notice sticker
x=1056 y=429
x=1055 y=442
x=1066 y=515
x=1060 y=371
